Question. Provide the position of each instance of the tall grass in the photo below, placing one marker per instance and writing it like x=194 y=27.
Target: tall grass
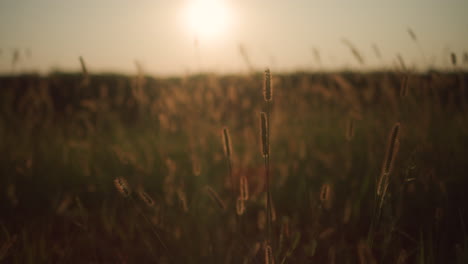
x=159 y=143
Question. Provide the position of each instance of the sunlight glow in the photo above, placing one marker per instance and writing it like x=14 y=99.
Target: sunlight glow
x=207 y=18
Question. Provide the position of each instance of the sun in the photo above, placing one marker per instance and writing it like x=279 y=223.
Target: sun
x=207 y=18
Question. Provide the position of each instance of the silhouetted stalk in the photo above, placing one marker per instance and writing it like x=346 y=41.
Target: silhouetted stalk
x=265 y=126
x=124 y=189
x=228 y=152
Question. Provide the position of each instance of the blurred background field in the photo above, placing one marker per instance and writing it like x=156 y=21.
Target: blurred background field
x=65 y=138
x=138 y=132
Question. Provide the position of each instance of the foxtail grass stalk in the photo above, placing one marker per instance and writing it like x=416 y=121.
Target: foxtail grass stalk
x=268 y=254
x=393 y=146
x=228 y=152
x=416 y=41
x=244 y=188
x=265 y=133
x=84 y=70
x=266 y=155
x=83 y=67
x=124 y=189
x=390 y=155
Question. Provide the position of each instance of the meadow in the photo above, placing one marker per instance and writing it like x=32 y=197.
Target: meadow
x=363 y=168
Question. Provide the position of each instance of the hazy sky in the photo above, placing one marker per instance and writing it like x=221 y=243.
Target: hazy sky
x=112 y=34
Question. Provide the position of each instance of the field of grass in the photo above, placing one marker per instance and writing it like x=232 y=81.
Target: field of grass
x=67 y=141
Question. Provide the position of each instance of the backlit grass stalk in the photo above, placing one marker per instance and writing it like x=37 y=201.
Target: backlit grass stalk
x=146 y=198
x=124 y=189
x=266 y=155
x=416 y=41
x=244 y=188
x=393 y=146
x=228 y=152
x=265 y=133
x=84 y=71
x=268 y=254
x=357 y=55
x=215 y=197
x=240 y=206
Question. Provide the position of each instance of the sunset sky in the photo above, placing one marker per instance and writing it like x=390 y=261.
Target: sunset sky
x=163 y=35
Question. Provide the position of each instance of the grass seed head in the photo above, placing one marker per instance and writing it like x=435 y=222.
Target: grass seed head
x=392 y=149
x=453 y=58
x=240 y=206
x=268 y=254
x=244 y=188
x=146 y=198
x=325 y=192
x=412 y=35
x=122 y=186
x=227 y=142
x=84 y=70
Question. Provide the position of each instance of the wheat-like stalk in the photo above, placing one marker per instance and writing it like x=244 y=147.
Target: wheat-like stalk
x=266 y=153
x=146 y=198
x=84 y=71
x=390 y=155
x=401 y=62
x=453 y=58
x=215 y=197
x=316 y=54
x=416 y=41
x=228 y=152
x=412 y=35
x=183 y=199
x=122 y=186
x=227 y=142
x=244 y=188
x=240 y=206
x=268 y=254
x=264 y=134
x=83 y=67
x=357 y=55
x=325 y=192
x=245 y=57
